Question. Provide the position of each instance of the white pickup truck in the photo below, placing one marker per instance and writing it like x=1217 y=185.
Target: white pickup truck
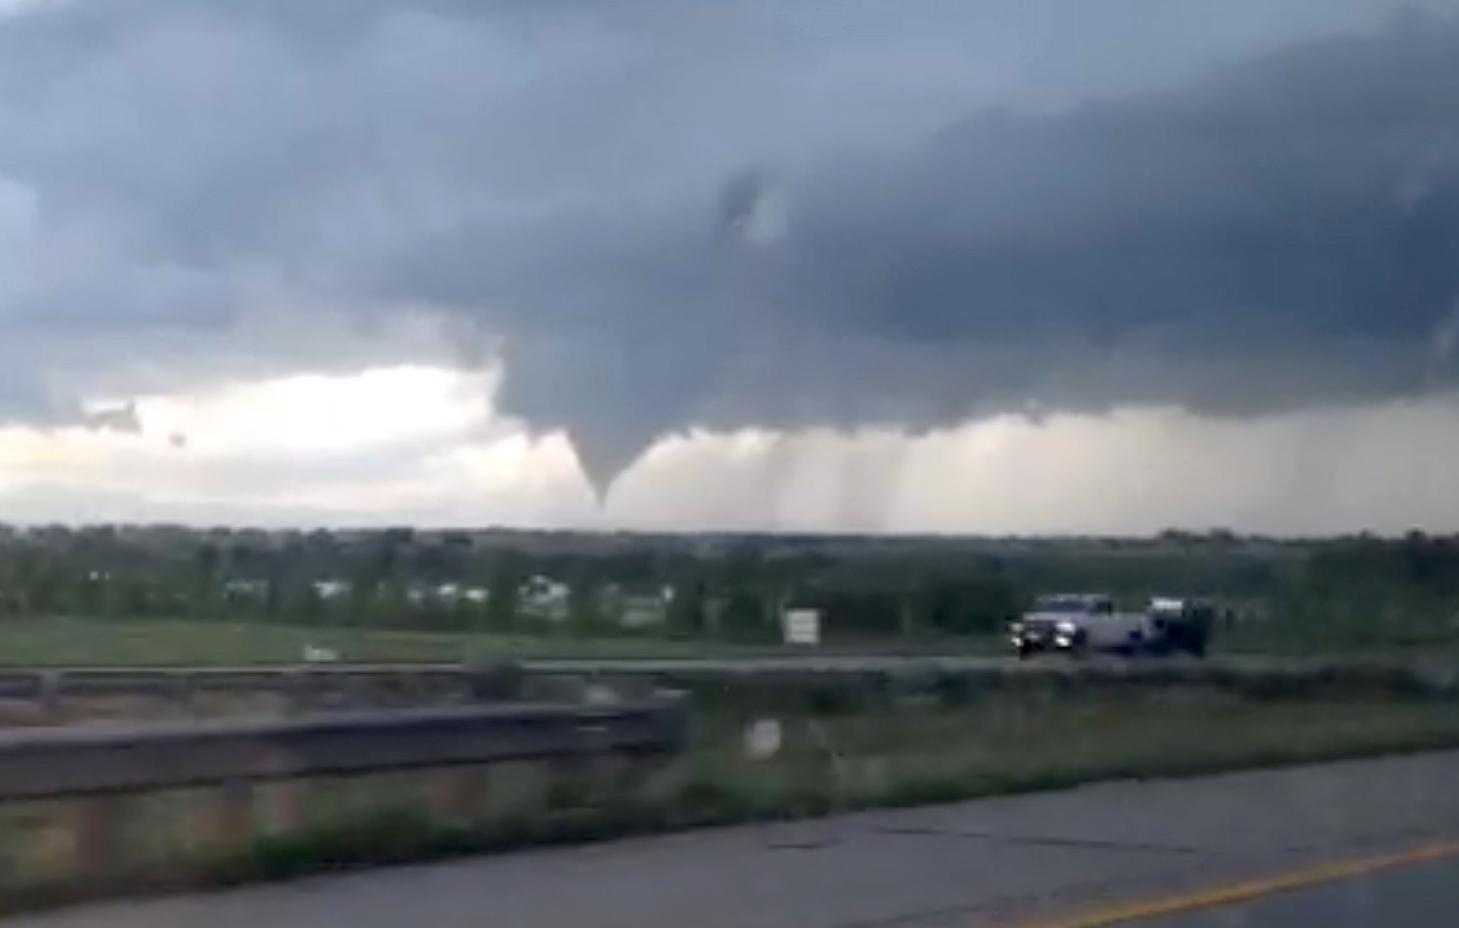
x=1078 y=623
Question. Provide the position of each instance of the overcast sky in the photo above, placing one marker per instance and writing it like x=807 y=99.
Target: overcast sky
x=1030 y=266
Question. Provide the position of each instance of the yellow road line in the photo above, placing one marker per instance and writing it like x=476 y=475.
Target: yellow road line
x=1245 y=891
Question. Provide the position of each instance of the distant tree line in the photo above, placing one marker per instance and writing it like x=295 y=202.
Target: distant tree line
x=1358 y=589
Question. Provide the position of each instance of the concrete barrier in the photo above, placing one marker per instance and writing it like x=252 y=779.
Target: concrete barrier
x=102 y=808
x=111 y=758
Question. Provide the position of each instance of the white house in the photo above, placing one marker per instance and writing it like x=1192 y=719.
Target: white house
x=238 y=588
x=639 y=608
x=446 y=594
x=544 y=599
x=327 y=590
x=476 y=595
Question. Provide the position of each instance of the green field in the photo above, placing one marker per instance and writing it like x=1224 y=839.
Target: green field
x=80 y=642
x=53 y=642
x=85 y=642
x=62 y=641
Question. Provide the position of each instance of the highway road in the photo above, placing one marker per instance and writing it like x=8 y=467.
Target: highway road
x=871 y=662
x=1439 y=669
x=1059 y=858
x=1417 y=896
x=780 y=659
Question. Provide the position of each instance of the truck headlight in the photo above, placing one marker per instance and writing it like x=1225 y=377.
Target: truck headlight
x=1067 y=629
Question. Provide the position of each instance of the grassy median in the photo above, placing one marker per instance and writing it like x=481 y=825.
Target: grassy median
x=887 y=752
x=75 y=642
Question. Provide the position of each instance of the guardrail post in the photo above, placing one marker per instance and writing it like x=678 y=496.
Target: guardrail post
x=156 y=756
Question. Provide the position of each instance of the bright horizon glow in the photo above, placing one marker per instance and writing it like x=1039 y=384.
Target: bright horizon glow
x=427 y=445
x=322 y=413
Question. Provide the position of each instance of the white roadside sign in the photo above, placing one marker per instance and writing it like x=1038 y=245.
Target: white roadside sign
x=801 y=626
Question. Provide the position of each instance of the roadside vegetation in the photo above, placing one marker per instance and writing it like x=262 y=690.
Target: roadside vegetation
x=841 y=752
x=839 y=747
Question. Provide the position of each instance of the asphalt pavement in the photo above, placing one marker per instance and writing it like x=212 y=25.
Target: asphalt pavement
x=1007 y=860
x=1424 y=895
x=786 y=661
x=873 y=662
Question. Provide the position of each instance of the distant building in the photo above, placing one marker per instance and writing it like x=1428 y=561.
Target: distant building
x=476 y=595
x=446 y=594
x=637 y=608
x=245 y=589
x=544 y=599
x=327 y=590
x=313 y=654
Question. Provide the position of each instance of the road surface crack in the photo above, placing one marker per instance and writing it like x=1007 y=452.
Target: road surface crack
x=1098 y=844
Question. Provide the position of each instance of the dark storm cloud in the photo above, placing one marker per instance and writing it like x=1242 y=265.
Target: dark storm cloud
x=779 y=214
x=1280 y=232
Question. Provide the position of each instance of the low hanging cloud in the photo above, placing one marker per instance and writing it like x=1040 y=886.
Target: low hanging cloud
x=115 y=419
x=665 y=216
x=1283 y=232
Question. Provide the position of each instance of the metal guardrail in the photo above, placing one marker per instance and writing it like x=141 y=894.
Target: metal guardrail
x=108 y=758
